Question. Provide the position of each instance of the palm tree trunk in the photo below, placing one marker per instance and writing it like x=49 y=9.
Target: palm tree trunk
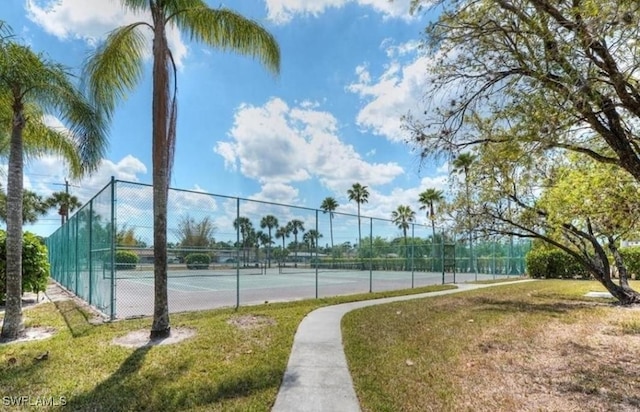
x=331 y=229
x=269 y=248
x=466 y=183
x=12 y=325
x=406 y=251
x=359 y=229
x=433 y=245
x=160 y=114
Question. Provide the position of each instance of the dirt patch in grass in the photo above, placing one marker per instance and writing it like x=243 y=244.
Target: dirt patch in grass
x=564 y=367
x=533 y=347
x=251 y=321
x=140 y=338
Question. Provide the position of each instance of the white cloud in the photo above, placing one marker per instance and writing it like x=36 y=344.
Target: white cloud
x=92 y=20
x=278 y=193
x=283 y=11
x=398 y=90
x=275 y=143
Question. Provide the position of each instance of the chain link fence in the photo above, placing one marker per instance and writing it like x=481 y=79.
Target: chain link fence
x=227 y=251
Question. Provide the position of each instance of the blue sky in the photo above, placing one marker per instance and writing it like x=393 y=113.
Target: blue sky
x=350 y=70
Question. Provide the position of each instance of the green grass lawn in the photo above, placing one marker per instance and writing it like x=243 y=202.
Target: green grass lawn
x=527 y=347
x=223 y=367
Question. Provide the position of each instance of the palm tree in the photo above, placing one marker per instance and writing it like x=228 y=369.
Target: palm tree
x=269 y=222
x=402 y=216
x=296 y=226
x=33 y=206
x=329 y=205
x=359 y=194
x=30 y=83
x=244 y=225
x=116 y=67
x=262 y=239
x=65 y=203
x=283 y=232
x=311 y=238
x=461 y=165
x=428 y=199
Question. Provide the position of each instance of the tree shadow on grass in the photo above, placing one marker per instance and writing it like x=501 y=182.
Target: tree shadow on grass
x=161 y=387
x=509 y=305
x=76 y=319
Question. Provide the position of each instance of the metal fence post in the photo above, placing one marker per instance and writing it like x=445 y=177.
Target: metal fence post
x=90 y=249
x=238 y=253
x=113 y=248
x=317 y=240
x=442 y=254
x=413 y=242
x=370 y=254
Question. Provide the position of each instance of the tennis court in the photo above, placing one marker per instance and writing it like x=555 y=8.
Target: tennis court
x=191 y=290
x=104 y=252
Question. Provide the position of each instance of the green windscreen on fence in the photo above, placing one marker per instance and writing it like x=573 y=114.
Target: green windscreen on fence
x=224 y=250
x=79 y=249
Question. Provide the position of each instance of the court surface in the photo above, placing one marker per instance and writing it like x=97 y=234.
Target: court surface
x=191 y=290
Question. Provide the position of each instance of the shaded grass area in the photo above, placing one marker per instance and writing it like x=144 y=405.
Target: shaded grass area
x=224 y=367
x=499 y=280
x=528 y=347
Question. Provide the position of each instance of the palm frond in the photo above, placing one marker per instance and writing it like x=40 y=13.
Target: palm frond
x=116 y=66
x=40 y=138
x=136 y=6
x=227 y=30
x=86 y=126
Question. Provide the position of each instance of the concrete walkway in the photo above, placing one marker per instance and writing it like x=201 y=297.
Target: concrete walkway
x=317 y=378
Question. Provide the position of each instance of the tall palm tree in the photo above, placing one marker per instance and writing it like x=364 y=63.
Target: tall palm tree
x=428 y=199
x=244 y=225
x=311 y=238
x=296 y=226
x=329 y=205
x=33 y=206
x=116 y=67
x=65 y=203
x=269 y=222
x=283 y=232
x=262 y=239
x=461 y=165
x=402 y=217
x=358 y=194
x=29 y=81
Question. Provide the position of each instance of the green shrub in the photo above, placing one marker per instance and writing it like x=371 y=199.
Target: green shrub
x=126 y=260
x=197 y=261
x=35 y=264
x=631 y=259
x=554 y=264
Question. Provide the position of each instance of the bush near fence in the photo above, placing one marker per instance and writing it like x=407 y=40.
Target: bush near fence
x=554 y=264
x=35 y=264
x=126 y=260
x=197 y=261
x=631 y=259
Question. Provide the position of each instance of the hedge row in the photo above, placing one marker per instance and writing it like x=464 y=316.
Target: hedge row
x=392 y=264
x=197 y=261
x=556 y=264
x=35 y=264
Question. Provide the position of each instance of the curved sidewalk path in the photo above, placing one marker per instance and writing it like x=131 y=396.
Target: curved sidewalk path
x=317 y=378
